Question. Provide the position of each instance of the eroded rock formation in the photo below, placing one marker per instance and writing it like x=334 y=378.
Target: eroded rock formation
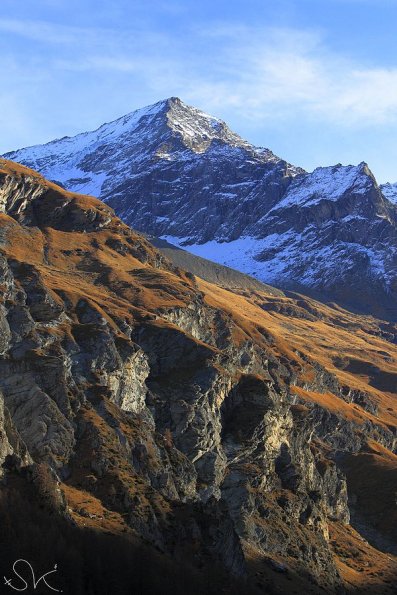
x=186 y=411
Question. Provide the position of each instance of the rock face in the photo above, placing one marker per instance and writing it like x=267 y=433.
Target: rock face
x=171 y=171
x=182 y=407
x=390 y=192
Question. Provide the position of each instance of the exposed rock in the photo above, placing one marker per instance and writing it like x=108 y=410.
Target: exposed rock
x=174 y=172
x=175 y=404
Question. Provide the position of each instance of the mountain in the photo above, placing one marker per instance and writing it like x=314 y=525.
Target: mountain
x=167 y=168
x=390 y=192
x=333 y=234
x=163 y=434
x=171 y=171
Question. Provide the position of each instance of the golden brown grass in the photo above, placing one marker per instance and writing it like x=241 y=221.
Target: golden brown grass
x=105 y=268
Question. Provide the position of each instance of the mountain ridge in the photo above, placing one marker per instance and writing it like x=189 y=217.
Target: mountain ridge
x=172 y=171
x=390 y=191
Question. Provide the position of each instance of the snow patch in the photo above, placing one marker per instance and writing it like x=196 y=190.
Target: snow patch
x=326 y=183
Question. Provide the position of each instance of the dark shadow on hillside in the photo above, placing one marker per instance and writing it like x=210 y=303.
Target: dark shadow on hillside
x=92 y=562
x=96 y=563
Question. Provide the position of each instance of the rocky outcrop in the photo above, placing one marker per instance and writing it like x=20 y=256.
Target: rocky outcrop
x=390 y=192
x=121 y=375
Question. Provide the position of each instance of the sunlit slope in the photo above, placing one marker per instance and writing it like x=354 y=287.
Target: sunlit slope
x=156 y=397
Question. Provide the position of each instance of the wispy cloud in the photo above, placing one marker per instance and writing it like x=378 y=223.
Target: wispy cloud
x=274 y=71
x=42 y=31
x=76 y=77
x=262 y=73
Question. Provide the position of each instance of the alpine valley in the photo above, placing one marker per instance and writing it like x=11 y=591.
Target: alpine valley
x=169 y=424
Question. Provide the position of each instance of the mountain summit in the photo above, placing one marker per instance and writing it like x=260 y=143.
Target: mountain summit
x=168 y=169
x=172 y=171
x=163 y=131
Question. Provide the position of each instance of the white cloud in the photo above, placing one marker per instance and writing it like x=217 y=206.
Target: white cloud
x=264 y=74
x=275 y=72
x=41 y=31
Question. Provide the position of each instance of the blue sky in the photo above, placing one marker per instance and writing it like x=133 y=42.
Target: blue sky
x=314 y=80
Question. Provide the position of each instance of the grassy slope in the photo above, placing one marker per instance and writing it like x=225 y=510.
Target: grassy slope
x=105 y=268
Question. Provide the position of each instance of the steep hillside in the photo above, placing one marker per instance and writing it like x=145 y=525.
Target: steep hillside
x=222 y=432
x=210 y=270
x=174 y=172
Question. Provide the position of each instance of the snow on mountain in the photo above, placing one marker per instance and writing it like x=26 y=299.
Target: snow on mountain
x=332 y=232
x=63 y=159
x=174 y=172
x=390 y=191
x=169 y=168
x=85 y=161
x=326 y=183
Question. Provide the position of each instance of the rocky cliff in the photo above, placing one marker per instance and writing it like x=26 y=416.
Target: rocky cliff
x=172 y=171
x=390 y=192
x=226 y=429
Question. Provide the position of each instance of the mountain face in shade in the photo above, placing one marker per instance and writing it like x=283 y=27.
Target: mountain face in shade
x=180 y=436
x=174 y=172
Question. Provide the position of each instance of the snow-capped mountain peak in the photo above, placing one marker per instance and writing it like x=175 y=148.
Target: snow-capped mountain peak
x=390 y=192
x=172 y=171
x=328 y=183
x=198 y=129
x=91 y=162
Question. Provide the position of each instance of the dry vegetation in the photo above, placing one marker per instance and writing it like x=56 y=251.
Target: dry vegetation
x=116 y=272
